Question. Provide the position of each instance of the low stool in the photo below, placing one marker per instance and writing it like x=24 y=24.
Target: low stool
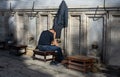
x=80 y=62
x=44 y=54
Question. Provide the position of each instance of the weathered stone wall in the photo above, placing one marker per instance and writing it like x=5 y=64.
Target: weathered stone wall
x=87 y=24
x=42 y=4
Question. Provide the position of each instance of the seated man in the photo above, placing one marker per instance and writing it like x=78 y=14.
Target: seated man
x=47 y=42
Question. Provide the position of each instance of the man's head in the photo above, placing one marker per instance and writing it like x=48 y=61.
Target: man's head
x=52 y=30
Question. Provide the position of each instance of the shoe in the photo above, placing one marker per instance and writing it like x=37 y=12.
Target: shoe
x=54 y=63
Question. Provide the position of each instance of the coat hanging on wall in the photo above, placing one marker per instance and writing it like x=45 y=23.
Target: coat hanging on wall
x=61 y=19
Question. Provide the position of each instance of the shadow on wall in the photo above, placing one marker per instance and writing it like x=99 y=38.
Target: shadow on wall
x=12 y=66
x=113 y=42
x=77 y=45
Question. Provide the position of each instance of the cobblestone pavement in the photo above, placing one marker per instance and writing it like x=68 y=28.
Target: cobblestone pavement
x=24 y=66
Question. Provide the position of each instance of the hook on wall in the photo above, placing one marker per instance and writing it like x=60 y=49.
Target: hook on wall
x=10 y=7
x=106 y=11
x=11 y=10
x=32 y=8
x=95 y=14
x=104 y=6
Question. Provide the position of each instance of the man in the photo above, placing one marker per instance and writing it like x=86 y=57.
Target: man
x=47 y=42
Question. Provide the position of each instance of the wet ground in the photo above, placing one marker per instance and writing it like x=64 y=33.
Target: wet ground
x=25 y=66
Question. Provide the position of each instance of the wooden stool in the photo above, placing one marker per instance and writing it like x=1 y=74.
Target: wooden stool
x=79 y=62
x=14 y=49
x=44 y=54
x=19 y=47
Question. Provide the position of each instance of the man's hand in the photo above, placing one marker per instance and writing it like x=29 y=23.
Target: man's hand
x=55 y=42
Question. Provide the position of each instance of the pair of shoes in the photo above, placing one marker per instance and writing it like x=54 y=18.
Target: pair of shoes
x=60 y=65
x=54 y=63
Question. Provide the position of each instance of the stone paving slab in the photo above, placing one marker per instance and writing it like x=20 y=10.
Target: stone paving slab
x=25 y=66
